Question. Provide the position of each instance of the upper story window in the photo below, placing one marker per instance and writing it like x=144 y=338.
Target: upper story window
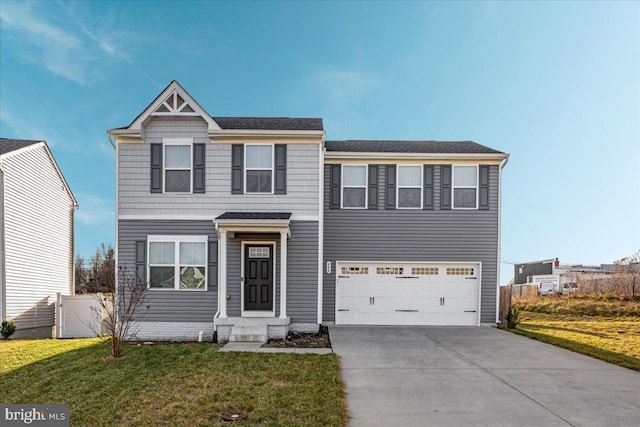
x=465 y=187
x=409 y=187
x=177 y=166
x=354 y=186
x=259 y=168
x=177 y=262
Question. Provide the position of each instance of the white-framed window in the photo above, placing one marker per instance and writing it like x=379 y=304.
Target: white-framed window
x=354 y=186
x=177 y=262
x=259 y=252
x=258 y=160
x=465 y=187
x=178 y=157
x=409 y=195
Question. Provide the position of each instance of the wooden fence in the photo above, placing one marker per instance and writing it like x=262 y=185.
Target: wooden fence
x=505 y=302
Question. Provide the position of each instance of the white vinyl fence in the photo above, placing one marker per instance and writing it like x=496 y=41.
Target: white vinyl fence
x=79 y=316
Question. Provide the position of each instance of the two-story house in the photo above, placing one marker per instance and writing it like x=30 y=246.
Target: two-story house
x=251 y=227
x=36 y=236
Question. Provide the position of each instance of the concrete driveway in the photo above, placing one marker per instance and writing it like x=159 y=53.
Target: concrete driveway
x=466 y=376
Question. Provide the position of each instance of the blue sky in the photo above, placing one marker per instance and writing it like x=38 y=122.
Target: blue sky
x=556 y=85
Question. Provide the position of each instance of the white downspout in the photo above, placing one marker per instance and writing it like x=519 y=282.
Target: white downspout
x=502 y=165
x=321 y=231
x=215 y=316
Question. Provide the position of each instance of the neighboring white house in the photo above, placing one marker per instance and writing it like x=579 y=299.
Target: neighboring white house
x=36 y=236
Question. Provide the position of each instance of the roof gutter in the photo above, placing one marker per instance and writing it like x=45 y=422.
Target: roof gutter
x=414 y=156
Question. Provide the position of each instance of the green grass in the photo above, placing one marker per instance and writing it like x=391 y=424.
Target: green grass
x=172 y=384
x=609 y=339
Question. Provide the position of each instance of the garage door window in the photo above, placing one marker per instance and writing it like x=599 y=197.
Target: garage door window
x=396 y=271
x=425 y=271
x=459 y=271
x=355 y=270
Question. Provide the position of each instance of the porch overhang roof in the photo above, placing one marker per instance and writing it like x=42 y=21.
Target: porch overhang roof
x=254 y=222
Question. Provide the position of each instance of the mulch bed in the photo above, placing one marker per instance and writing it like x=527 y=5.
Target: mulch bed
x=300 y=340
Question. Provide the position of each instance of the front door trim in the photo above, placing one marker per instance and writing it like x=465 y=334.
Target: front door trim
x=258 y=313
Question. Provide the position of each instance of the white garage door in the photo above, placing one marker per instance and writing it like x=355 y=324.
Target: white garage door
x=407 y=294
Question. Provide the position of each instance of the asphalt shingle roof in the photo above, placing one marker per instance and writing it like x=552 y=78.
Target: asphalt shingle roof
x=269 y=123
x=430 y=147
x=7 y=145
x=255 y=215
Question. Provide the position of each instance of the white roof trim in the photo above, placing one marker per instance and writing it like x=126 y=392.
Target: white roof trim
x=174 y=86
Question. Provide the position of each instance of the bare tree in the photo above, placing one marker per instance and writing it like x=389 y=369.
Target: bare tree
x=119 y=314
x=100 y=275
x=81 y=276
x=627 y=276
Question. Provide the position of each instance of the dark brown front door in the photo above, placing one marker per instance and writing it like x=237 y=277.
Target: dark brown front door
x=258 y=277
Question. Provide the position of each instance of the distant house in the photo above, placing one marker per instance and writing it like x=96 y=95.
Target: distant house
x=564 y=276
x=36 y=236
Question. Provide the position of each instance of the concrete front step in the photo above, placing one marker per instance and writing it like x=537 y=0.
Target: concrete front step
x=253 y=333
x=248 y=338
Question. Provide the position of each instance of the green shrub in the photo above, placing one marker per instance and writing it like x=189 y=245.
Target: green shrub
x=513 y=317
x=8 y=329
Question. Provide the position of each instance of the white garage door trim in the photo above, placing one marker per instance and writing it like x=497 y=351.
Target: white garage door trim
x=385 y=315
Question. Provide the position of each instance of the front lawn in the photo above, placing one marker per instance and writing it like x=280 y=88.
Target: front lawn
x=615 y=340
x=172 y=384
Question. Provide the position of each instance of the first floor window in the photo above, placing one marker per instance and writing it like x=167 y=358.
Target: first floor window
x=259 y=168
x=465 y=187
x=354 y=186
x=177 y=264
x=177 y=167
x=409 y=187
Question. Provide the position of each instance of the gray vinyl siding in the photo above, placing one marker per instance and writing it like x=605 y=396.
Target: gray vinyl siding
x=192 y=306
x=414 y=235
x=302 y=271
x=37 y=238
x=167 y=305
x=135 y=198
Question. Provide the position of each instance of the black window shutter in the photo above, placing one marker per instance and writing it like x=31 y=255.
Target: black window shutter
x=141 y=261
x=213 y=264
x=334 y=184
x=484 y=187
x=281 y=169
x=198 y=168
x=445 y=187
x=156 y=168
x=373 y=187
x=390 y=193
x=428 y=186
x=237 y=169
